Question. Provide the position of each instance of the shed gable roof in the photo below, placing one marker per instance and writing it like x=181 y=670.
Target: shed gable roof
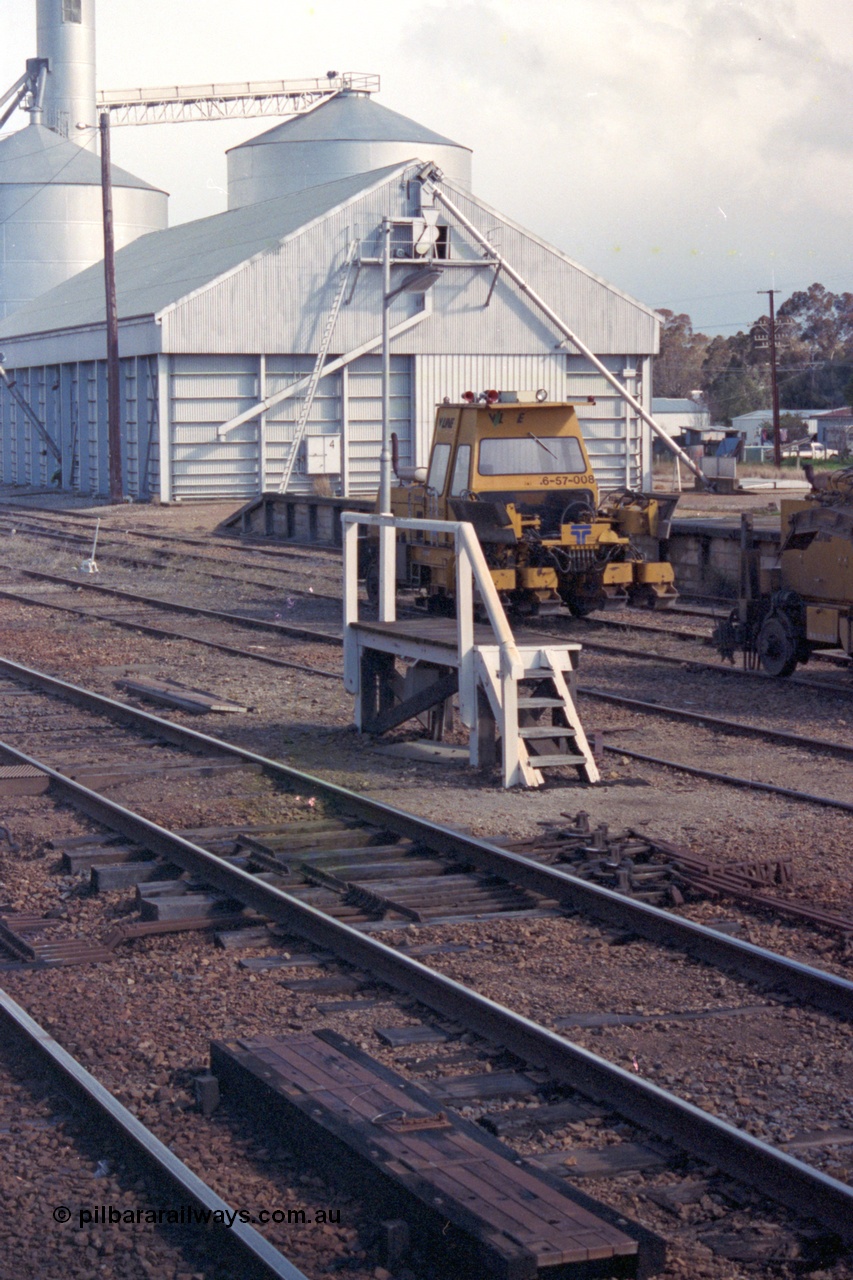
x=261 y=278
x=160 y=269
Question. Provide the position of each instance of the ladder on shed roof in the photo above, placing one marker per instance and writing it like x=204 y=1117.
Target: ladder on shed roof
x=316 y=373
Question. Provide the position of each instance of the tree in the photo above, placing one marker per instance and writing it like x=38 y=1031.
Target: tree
x=678 y=368
x=823 y=321
x=848 y=395
x=731 y=384
x=814 y=358
x=816 y=352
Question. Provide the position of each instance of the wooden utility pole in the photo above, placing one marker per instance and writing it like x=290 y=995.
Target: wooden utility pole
x=774 y=385
x=113 y=391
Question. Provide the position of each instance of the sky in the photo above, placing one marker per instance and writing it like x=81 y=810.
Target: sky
x=691 y=152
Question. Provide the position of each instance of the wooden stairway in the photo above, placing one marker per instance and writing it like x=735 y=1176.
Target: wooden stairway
x=534 y=713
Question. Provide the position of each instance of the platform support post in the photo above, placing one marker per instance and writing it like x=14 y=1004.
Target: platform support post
x=377 y=685
x=387 y=572
x=350 y=567
x=484 y=738
x=465 y=638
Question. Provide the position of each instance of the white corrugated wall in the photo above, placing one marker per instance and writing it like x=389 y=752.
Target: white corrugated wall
x=206 y=391
x=616 y=439
x=71 y=401
x=364 y=414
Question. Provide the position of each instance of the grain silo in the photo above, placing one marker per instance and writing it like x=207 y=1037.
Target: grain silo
x=348 y=135
x=66 y=37
x=50 y=176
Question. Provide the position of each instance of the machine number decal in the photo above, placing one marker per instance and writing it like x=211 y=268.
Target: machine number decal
x=563 y=480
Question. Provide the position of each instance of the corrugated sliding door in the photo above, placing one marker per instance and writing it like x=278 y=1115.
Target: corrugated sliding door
x=364 y=418
x=616 y=438
x=204 y=392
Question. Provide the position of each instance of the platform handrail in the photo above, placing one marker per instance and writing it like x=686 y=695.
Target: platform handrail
x=471 y=568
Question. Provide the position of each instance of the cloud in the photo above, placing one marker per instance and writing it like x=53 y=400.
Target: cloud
x=617 y=129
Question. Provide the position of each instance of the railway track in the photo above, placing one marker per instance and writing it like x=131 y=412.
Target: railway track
x=350 y=937
x=79 y=532
x=135 y=611
x=133 y=1148
x=309 y=558
x=216 y=629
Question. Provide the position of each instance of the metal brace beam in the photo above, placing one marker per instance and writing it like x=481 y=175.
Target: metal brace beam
x=432 y=177
x=31 y=414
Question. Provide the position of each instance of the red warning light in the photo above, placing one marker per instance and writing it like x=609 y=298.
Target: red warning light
x=492 y=397
x=469 y=397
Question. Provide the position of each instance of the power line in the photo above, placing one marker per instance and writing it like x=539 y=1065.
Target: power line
x=740 y=293
x=41 y=186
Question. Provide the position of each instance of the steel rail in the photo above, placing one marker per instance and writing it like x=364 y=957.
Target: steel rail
x=716 y=668
x=260 y=544
x=775 y=1173
x=719 y=722
x=754 y=964
x=323 y=637
x=113 y=544
x=732 y=780
x=670 y=633
x=173 y=606
x=164 y=633
x=250 y=1241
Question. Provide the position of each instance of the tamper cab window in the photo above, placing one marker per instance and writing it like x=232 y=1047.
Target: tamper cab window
x=528 y=454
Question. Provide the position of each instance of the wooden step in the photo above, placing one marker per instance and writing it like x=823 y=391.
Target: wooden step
x=556 y=761
x=546 y=731
x=539 y=703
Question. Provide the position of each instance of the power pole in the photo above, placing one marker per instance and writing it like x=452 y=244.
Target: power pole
x=113 y=392
x=774 y=386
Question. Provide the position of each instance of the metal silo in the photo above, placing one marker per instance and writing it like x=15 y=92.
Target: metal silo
x=66 y=37
x=348 y=135
x=51 y=222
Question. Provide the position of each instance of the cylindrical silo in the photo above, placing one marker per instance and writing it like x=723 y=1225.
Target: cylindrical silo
x=66 y=37
x=348 y=135
x=51 y=220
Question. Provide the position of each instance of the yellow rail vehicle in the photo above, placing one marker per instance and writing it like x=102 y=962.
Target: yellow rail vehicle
x=802 y=600
x=517 y=468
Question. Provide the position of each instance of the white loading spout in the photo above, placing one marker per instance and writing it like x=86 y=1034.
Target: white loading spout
x=431 y=177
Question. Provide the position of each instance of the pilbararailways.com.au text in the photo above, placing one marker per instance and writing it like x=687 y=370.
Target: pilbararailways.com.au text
x=191 y=1214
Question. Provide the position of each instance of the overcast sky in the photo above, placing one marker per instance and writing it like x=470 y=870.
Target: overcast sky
x=690 y=151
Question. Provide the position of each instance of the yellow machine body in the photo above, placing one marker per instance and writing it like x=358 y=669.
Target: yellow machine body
x=521 y=474
x=816 y=562
x=803 y=599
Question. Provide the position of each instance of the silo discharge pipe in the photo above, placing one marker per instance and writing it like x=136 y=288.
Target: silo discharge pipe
x=429 y=175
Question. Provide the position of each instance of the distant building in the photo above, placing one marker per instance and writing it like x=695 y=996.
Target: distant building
x=677 y=416
x=835 y=430
x=754 y=427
